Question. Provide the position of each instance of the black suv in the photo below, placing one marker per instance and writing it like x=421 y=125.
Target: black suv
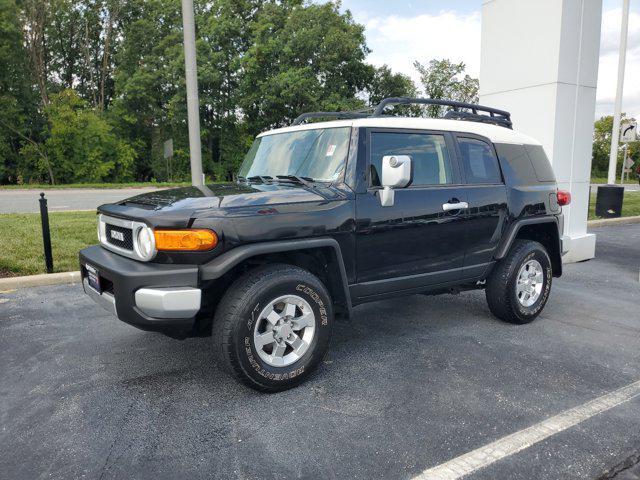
x=325 y=216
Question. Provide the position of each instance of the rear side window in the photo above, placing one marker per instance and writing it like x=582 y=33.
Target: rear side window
x=431 y=163
x=540 y=162
x=478 y=161
x=516 y=165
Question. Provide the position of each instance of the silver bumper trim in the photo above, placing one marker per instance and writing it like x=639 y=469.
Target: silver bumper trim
x=105 y=299
x=174 y=302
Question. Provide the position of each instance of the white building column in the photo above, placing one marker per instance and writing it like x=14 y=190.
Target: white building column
x=539 y=61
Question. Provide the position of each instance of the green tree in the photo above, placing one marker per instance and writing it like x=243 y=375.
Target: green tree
x=80 y=145
x=224 y=38
x=64 y=45
x=302 y=58
x=601 y=148
x=17 y=100
x=384 y=83
x=87 y=77
x=71 y=45
x=601 y=145
x=442 y=79
x=149 y=105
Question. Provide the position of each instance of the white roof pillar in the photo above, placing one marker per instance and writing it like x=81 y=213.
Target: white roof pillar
x=539 y=61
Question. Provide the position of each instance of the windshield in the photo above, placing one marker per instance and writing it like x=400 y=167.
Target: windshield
x=318 y=154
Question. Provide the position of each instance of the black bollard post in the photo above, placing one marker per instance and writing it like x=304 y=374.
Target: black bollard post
x=46 y=235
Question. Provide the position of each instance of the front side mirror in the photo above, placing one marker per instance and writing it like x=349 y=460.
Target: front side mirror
x=396 y=173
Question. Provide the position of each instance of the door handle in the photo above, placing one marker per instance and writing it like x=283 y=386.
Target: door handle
x=447 y=207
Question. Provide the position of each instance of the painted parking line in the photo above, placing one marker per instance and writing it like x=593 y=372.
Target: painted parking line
x=516 y=442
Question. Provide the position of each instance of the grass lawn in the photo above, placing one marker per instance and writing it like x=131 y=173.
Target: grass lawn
x=21 y=239
x=37 y=186
x=604 y=179
x=630 y=205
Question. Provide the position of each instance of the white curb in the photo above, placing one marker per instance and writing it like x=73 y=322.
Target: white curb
x=12 y=283
x=613 y=221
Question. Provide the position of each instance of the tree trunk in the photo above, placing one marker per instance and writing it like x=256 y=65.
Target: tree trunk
x=88 y=66
x=35 y=12
x=104 y=71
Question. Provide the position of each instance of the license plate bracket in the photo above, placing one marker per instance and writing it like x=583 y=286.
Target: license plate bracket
x=93 y=276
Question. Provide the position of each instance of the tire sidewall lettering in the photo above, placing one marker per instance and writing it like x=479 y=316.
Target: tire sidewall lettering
x=311 y=293
x=276 y=374
x=260 y=370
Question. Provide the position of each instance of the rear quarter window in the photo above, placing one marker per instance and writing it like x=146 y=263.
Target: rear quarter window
x=516 y=165
x=540 y=162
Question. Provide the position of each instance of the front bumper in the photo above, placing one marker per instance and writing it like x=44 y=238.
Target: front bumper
x=150 y=296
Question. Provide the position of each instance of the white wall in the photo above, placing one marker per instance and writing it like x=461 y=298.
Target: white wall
x=539 y=60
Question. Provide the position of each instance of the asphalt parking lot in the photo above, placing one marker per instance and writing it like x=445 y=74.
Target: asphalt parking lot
x=408 y=384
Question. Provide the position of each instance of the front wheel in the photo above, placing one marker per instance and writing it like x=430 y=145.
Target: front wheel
x=272 y=327
x=518 y=287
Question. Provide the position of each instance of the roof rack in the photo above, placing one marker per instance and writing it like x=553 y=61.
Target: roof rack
x=305 y=116
x=457 y=111
x=495 y=116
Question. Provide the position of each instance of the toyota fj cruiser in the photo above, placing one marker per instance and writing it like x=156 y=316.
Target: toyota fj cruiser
x=326 y=216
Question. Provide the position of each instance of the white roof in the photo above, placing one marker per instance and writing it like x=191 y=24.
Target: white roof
x=493 y=132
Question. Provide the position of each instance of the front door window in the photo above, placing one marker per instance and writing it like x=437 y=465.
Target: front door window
x=430 y=158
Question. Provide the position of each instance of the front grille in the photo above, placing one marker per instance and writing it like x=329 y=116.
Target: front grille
x=121 y=237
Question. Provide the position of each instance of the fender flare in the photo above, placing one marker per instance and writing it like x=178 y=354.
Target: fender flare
x=220 y=265
x=512 y=231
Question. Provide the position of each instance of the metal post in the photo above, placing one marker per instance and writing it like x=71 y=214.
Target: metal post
x=46 y=234
x=615 y=134
x=191 y=74
x=624 y=161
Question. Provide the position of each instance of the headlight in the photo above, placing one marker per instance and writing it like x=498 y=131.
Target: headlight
x=101 y=228
x=145 y=243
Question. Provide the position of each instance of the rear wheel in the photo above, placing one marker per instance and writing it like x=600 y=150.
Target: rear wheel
x=518 y=288
x=272 y=327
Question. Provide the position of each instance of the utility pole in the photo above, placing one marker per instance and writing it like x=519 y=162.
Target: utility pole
x=615 y=134
x=191 y=74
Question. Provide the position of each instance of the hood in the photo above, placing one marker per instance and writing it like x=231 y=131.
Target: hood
x=176 y=206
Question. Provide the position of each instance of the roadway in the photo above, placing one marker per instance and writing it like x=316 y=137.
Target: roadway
x=64 y=199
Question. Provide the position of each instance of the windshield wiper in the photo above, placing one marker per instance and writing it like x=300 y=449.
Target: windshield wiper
x=314 y=185
x=306 y=181
x=262 y=178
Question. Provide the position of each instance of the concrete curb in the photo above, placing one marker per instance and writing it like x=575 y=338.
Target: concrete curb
x=613 y=221
x=12 y=283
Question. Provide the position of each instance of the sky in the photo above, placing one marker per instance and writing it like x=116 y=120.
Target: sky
x=401 y=31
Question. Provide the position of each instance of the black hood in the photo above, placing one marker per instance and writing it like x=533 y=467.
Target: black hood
x=176 y=206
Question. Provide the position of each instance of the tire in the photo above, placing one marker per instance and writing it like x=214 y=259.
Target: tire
x=241 y=317
x=507 y=300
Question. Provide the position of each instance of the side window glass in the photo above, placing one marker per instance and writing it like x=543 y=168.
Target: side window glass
x=479 y=162
x=540 y=162
x=431 y=164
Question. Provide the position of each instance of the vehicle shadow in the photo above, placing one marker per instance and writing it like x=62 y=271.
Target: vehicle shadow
x=374 y=331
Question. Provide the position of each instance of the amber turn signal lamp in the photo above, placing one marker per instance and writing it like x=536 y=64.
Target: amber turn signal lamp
x=185 y=240
x=564 y=198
